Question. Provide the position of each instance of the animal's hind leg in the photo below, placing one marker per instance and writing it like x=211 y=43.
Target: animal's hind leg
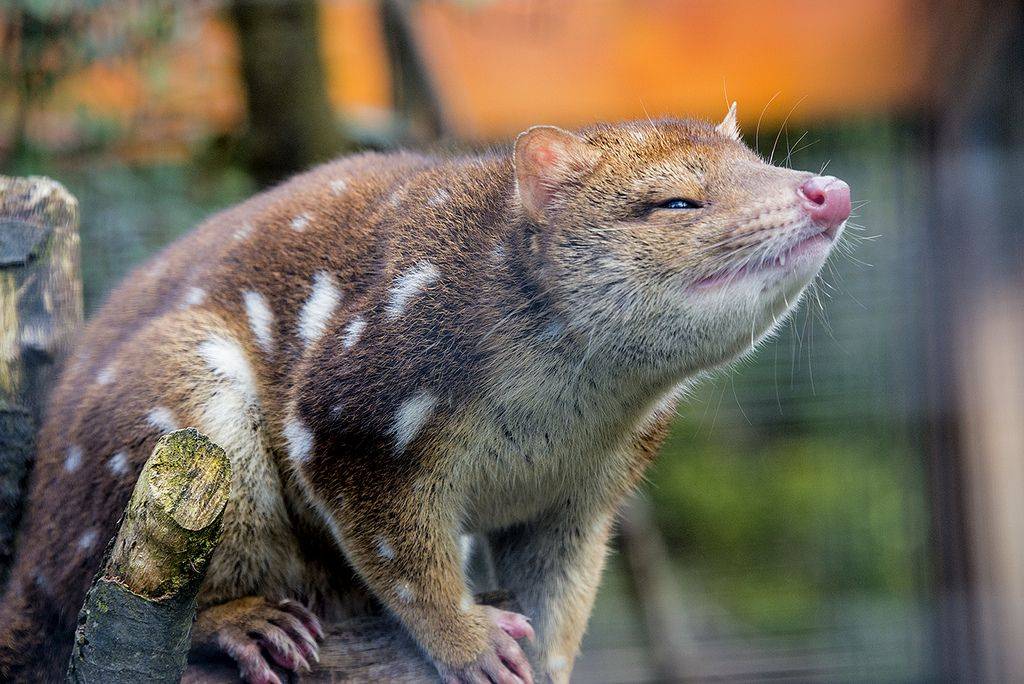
x=248 y=597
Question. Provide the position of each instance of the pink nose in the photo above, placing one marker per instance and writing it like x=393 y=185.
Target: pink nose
x=826 y=200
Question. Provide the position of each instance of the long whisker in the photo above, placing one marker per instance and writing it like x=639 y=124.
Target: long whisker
x=784 y=122
x=733 y=253
x=789 y=154
x=805 y=146
x=654 y=127
x=757 y=132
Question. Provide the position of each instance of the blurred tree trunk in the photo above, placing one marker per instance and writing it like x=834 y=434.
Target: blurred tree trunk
x=673 y=646
x=291 y=123
x=417 y=102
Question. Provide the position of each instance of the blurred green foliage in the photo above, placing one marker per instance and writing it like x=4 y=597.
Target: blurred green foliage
x=777 y=526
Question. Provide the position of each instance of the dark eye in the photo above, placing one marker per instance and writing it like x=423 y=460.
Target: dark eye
x=680 y=203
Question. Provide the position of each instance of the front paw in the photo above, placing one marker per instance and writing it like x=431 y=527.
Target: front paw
x=251 y=629
x=503 y=661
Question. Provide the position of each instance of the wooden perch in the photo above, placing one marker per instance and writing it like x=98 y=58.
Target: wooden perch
x=40 y=308
x=137 y=619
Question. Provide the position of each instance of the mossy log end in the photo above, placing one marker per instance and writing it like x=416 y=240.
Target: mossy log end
x=136 y=623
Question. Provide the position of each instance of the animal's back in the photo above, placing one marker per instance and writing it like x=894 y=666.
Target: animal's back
x=185 y=341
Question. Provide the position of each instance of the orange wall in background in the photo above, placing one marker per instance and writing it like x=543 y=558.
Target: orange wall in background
x=501 y=65
x=504 y=64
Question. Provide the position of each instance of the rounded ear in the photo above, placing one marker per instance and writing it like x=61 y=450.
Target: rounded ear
x=546 y=159
x=728 y=127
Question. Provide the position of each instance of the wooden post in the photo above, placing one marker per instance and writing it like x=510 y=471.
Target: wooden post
x=137 y=620
x=970 y=216
x=40 y=308
x=991 y=381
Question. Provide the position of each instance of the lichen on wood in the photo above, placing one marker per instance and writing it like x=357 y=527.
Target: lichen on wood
x=167 y=532
x=136 y=622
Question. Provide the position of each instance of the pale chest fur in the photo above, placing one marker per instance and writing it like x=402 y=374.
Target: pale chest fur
x=547 y=435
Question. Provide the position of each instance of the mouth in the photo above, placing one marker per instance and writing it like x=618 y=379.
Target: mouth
x=807 y=251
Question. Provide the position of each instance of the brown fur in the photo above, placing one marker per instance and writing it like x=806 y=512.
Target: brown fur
x=517 y=391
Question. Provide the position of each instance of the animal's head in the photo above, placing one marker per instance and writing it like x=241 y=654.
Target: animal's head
x=670 y=242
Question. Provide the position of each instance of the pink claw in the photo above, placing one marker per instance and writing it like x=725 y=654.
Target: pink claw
x=515 y=625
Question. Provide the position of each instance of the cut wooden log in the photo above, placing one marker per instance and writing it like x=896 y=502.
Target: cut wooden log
x=137 y=620
x=40 y=309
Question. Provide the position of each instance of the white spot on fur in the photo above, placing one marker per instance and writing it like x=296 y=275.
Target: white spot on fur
x=408 y=285
x=557 y=662
x=384 y=549
x=640 y=136
x=159 y=269
x=466 y=549
x=244 y=231
x=118 y=463
x=404 y=592
x=410 y=418
x=194 y=296
x=396 y=197
x=106 y=376
x=73 y=458
x=226 y=358
x=261 y=319
x=498 y=254
x=228 y=411
x=353 y=331
x=319 y=307
x=162 y=419
x=439 y=197
x=339 y=185
x=87 y=540
x=300 y=222
x=299 y=439
x=551 y=332
x=325 y=514
x=466 y=604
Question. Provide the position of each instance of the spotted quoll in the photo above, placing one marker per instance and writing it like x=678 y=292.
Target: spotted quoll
x=397 y=350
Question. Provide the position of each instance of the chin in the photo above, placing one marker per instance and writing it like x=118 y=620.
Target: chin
x=736 y=315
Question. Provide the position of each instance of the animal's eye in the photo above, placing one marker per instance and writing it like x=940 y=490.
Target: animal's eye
x=680 y=203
